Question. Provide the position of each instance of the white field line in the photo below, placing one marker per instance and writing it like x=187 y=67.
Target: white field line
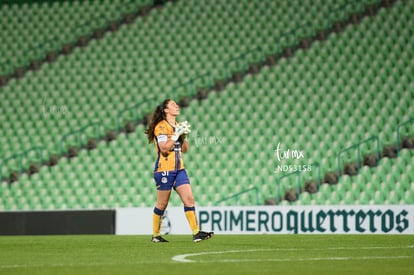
x=183 y=258
x=307 y=259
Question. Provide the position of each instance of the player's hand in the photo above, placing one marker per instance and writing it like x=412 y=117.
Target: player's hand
x=177 y=133
x=185 y=126
x=182 y=138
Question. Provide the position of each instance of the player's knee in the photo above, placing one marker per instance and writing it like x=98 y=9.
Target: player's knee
x=161 y=204
x=188 y=200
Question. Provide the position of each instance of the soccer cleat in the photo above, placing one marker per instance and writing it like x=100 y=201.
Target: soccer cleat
x=201 y=236
x=158 y=239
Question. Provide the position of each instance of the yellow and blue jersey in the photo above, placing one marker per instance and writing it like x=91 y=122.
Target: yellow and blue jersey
x=172 y=161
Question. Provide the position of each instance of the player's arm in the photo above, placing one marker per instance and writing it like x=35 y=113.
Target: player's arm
x=184 y=144
x=165 y=144
x=186 y=130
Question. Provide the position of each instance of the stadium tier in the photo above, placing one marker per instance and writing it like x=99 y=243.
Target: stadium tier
x=355 y=85
x=147 y=58
x=389 y=183
x=363 y=90
x=31 y=30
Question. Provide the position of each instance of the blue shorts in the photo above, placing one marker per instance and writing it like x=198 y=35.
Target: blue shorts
x=170 y=179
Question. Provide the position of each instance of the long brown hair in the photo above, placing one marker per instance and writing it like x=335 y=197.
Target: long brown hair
x=156 y=117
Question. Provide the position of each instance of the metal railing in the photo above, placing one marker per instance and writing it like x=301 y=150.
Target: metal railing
x=357 y=146
x=399 y=126
x=20 y=157
x=237 y=196
x=79 y=133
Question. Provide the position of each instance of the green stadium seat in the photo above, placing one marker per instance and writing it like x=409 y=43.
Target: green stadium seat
x=139 y=60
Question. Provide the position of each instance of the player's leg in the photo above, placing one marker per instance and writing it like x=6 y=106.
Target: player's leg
x=184 y=190
x=186 y=195
x=164 y=185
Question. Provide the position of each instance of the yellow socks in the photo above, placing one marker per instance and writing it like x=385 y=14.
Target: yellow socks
x=189 y=214
x=191 y=218
x=156 y=221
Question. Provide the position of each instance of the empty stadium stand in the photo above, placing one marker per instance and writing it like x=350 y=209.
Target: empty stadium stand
x=321 y=98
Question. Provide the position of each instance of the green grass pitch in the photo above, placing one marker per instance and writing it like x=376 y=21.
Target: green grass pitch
x=223 y=254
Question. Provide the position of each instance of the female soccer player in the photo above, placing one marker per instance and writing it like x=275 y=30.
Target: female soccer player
x=170 y=140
